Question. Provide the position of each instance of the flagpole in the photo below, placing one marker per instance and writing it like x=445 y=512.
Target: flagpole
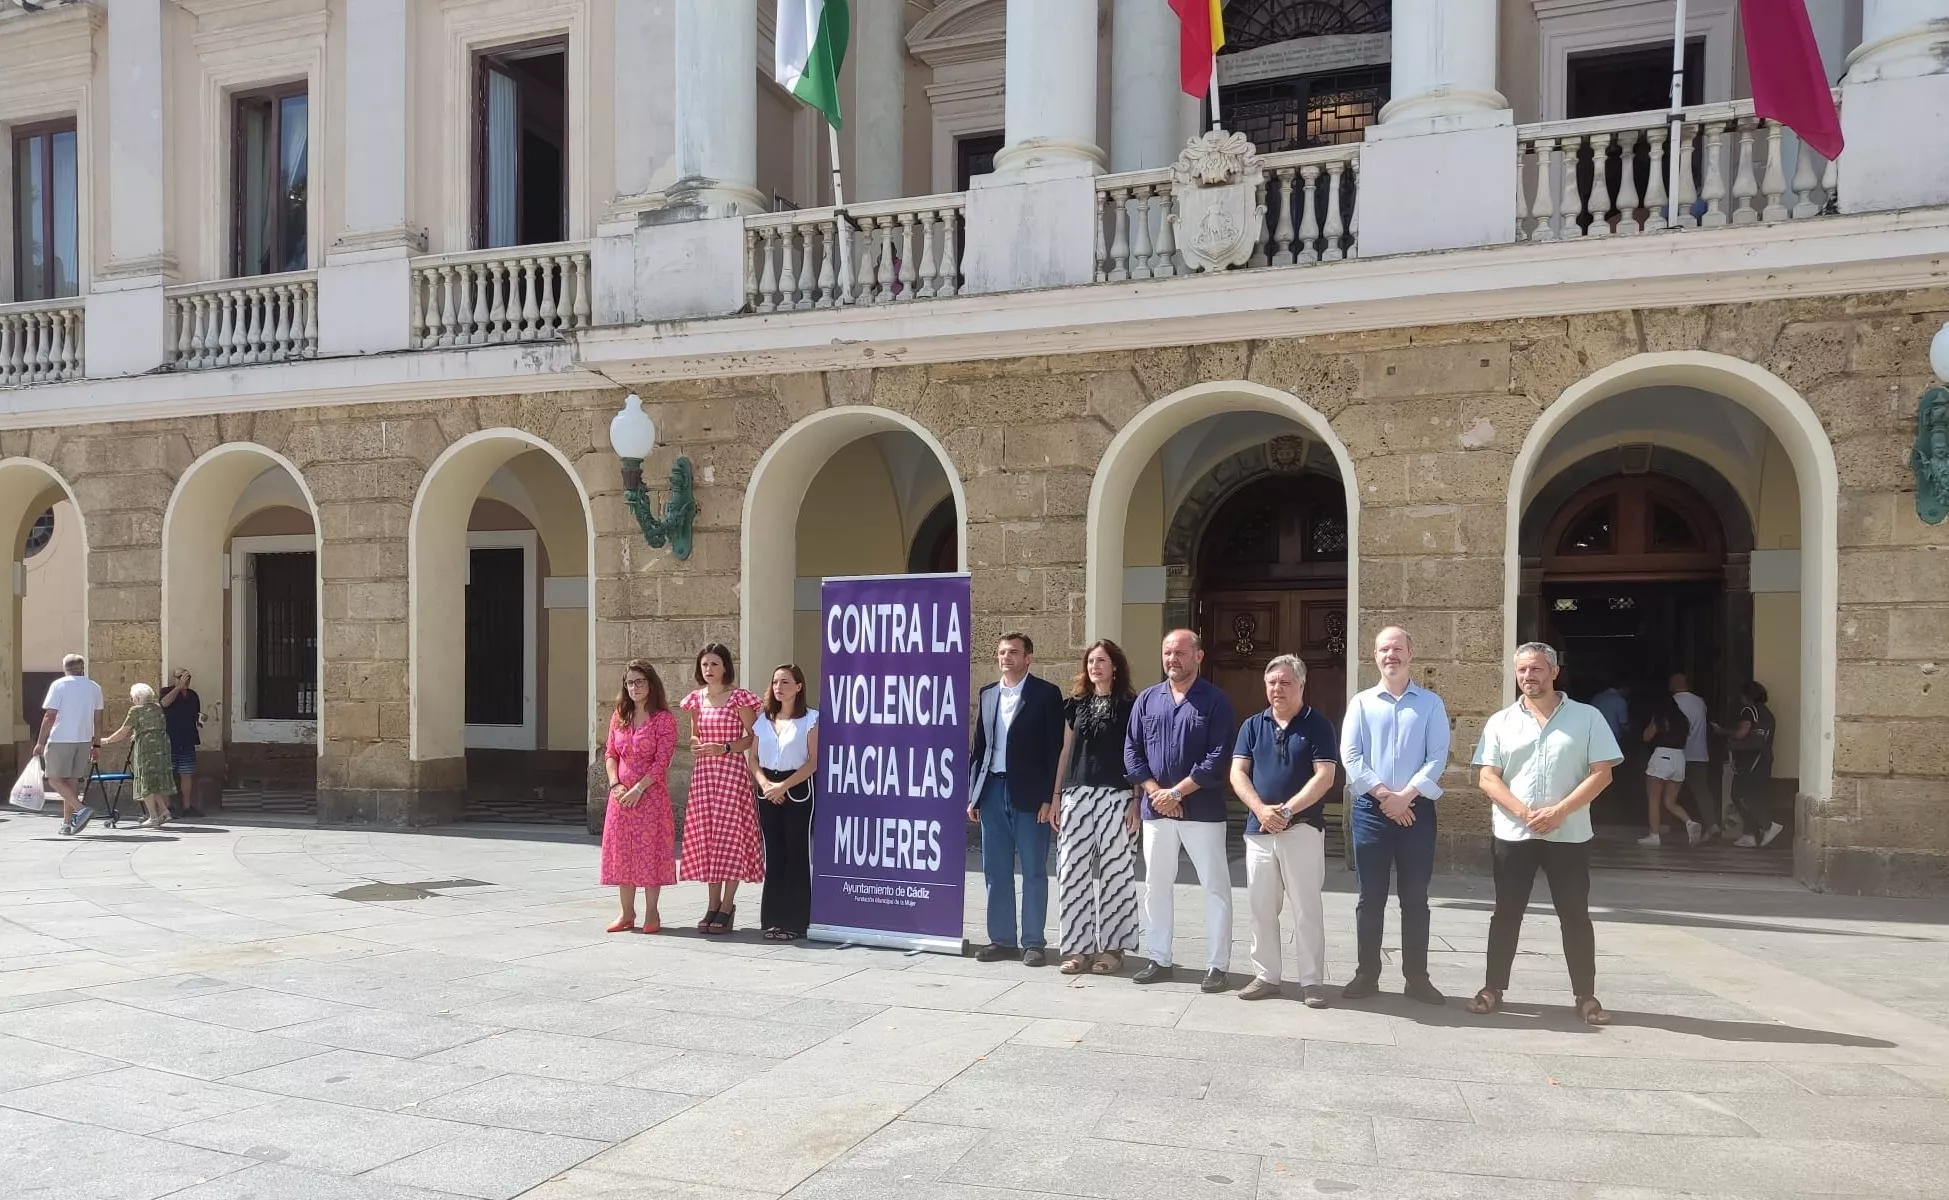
x=1672 y=156
x=1214 y=91
x=838 y=184
x=842 y=225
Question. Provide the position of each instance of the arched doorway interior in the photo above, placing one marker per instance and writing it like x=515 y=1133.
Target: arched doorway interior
x=56 y=600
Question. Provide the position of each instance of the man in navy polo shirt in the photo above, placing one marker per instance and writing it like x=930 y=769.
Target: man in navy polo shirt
x=1282 y=768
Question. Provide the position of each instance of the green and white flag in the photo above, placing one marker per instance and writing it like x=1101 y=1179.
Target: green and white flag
x=811 y=43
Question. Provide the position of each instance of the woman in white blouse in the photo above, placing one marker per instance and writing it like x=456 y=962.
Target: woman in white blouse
x=784 y=758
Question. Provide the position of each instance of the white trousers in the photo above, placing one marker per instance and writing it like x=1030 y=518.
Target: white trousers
x=1204 y=841
x=1287 y=868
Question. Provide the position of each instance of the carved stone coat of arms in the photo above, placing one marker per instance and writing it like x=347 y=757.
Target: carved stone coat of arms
x=1215 y=200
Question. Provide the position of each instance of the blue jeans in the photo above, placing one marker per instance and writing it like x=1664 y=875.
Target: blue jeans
x=1381 y=848
x=1007 y=834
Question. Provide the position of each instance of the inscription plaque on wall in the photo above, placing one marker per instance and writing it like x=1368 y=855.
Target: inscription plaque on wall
x=1305 y=56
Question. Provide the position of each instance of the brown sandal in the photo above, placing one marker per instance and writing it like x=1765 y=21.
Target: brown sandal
x=1591 y=1011
x=1076 y=964
x=1486 y=1001
x=1107 y=963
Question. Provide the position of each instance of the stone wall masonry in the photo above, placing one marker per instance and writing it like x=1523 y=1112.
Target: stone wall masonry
x=1433 y=419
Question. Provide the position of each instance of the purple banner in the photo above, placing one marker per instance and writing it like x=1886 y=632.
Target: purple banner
x=889 y=835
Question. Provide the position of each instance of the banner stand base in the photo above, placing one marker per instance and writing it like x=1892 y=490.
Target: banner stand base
x=887 y=940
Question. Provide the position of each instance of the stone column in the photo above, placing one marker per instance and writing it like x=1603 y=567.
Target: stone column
x=363 y=284
x=1050 y=89
x=879 y=108
x=1897 y=84
x=1444 y=60
x=1438 y=172
x=717 y=107
x=1147 y=127
x=1032 y=223
x=126 y=315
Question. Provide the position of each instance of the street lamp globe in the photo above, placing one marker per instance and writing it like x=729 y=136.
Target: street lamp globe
x=1939 y=353
x=632 y=434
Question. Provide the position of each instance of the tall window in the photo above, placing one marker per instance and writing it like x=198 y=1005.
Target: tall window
x=521 y=145
x=47 y=257
x=269 y=180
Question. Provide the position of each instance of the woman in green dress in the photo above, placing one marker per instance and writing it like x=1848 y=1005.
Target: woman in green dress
x=149 y=761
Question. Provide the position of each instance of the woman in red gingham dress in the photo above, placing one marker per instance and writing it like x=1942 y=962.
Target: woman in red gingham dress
x=721 y=844
x=638 y=838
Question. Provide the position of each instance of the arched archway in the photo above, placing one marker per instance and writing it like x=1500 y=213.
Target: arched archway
x=241 y=608
x=776 y=515
x=29 y=488
x=1788 y=419
x=1134 y=452
x=501 y=655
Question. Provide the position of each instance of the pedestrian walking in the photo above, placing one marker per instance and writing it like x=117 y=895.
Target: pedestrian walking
x=1750 y=741
x=1698 y=756
x=146 y=730
x=1283 y=765
x=182 y=709
x=1668 y=731
x=784 y=762
x=1012 y=792
x=1543 y=760
x=71 y=730
x=638 y=830
x=1096 y=824
x=1175 y=753
x=721 y=843
x=1394 y=742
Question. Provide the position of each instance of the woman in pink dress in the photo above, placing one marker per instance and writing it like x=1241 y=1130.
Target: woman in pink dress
x=721 y=844
x=638 y=833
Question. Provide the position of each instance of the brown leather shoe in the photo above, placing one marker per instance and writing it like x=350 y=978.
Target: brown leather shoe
x=1258 y=989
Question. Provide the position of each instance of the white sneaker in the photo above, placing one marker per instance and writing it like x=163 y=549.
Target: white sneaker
x=1651 y=839
x=1772 y=831
x=1746 y=843
x=1692 y=833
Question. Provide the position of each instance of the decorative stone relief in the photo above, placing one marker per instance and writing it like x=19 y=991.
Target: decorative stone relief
x=1215 y=186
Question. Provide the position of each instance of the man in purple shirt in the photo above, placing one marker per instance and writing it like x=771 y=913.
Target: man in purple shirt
x=1177 y=753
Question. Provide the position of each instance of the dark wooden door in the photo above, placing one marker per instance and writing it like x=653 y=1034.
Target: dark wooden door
x=286 y=591
x=1244 y=630
x=497 y=645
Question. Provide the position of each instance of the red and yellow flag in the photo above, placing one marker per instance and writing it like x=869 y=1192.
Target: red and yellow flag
x=1202 y=36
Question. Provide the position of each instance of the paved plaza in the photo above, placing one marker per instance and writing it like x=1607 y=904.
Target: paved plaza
x=223 y=1012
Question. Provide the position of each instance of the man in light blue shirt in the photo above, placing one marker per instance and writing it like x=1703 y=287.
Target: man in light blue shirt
x=1394 y=743
x=1544 y=759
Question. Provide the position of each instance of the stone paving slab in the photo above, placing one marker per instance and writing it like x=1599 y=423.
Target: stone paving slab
x=197 y=1016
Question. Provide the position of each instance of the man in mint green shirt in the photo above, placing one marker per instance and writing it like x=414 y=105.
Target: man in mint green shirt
x=1543 y=760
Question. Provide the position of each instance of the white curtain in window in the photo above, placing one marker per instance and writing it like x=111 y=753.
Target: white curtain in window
x=502 y=130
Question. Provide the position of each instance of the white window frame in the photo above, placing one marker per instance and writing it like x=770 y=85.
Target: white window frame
x=243 y=630
x=1571 y=27
x=522 y=736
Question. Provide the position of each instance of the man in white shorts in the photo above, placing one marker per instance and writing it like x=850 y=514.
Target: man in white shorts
x=71 y=729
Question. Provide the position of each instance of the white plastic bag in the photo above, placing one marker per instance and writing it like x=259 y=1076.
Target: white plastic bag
x=30 y=789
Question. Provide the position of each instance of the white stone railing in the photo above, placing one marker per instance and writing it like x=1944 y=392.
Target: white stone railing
x=1732 y=170
x=883 y=252
x=40 y=341
x=238 y=322
x=493 y=297
x=1307 y=215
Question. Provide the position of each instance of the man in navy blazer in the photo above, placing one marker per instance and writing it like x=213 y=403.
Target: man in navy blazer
x=1012 y=782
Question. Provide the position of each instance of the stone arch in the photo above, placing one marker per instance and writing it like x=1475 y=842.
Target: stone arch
x=1131 y=451
x=437 y=568
x=28 y=487
x=1793 y=422
x=768 y=555
x=196 y=526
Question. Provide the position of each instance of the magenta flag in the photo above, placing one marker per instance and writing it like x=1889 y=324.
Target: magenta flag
x=1789 y=84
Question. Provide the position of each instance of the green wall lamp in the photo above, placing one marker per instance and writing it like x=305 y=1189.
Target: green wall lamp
x=632 y=435
x=1930 y=457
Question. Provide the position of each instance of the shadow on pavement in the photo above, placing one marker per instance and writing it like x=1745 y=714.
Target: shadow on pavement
x=1617 y=916
x=1560 y=1018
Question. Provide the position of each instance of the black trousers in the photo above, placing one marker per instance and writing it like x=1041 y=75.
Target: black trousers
x=787 y=900
x=1567 y=866
x=1749 y=796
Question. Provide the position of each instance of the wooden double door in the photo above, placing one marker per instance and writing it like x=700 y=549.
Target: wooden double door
x=1245 y=629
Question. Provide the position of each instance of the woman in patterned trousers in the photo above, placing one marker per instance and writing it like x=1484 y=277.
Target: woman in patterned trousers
x=1096 y=851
